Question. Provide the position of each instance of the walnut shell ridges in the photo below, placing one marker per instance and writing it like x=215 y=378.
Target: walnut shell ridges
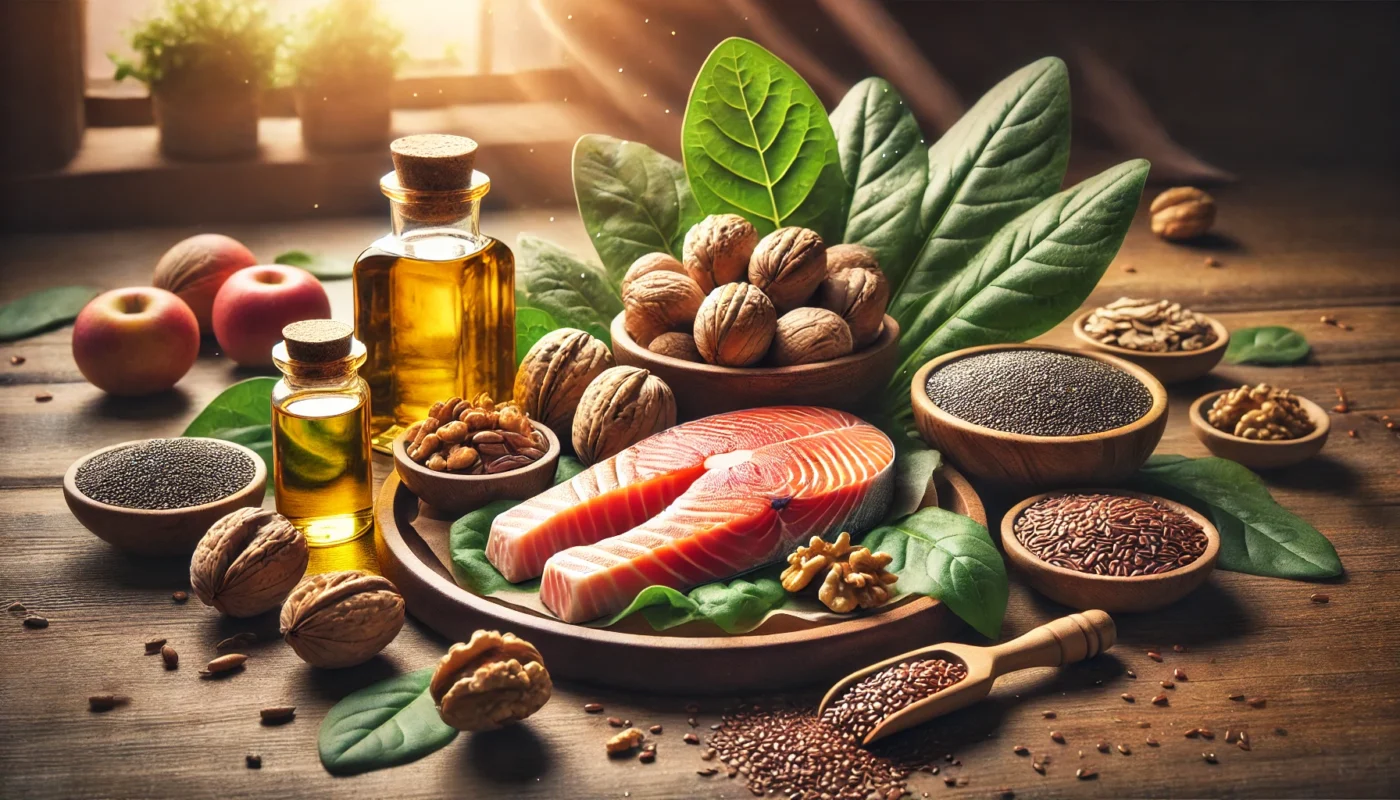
x=1182 y=213
x=248 y=562
x=659 y=302
x=621 y=407
x=676 y=345
x=651 y=262
x=491 y=680
x=717 y=250
x=340 y=619
x=787 y=265
x=735 y=325
x=809 y=336
x=859 y=295
x=553 y=375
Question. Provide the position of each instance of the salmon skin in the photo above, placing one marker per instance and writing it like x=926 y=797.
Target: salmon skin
x=696 y=503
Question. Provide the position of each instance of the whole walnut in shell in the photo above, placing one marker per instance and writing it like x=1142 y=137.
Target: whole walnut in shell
x=248 y=562
x=621 y=407
x=717 y=250
x=491 y=680
x=659 y=302
x=735 y=325
x=651 y=262
x=850 y=256
x=676 y=345
x=787 y=265
x=340 y=619
x=860 y=295
x=1182 y=213
x=809 y=336
x=553 y=375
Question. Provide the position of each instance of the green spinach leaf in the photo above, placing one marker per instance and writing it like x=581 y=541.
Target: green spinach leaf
x=1006 y=154
x=389 y=723
x=1257 y=535
x=573 y=292
x=736 y=605
x=43 y=310
x=241 y=413
x=1273 y=344
x=323 y=267
x=757 y=143
x=531 y=324
x=633 y=201
x=1030 y=276
x=949 y=557
x=886 y=167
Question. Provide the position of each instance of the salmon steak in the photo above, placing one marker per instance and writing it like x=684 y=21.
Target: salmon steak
x=699 y=502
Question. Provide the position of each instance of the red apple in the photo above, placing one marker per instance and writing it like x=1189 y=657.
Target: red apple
x=135 y=341
x=195 y=268
x=255 y=304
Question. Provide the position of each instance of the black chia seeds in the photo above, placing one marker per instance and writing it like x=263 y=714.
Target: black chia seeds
x=165 y=474
x=1039 y=393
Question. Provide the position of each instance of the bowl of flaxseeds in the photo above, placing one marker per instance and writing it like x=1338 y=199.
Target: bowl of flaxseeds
x=1111 y=549
x=159 y=496
x=1037 y=415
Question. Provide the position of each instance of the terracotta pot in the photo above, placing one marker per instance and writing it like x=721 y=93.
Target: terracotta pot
x=345 y=116
x=208 y=125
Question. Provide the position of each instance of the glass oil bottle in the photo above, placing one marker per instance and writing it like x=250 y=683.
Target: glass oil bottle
x=435 y=298
x=321 y=468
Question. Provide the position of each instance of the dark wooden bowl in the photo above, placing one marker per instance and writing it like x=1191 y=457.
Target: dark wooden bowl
x=1083 y=591
x=458 y=494
x=1022 y=460
x=1167 y=367
x=159 y=532
x=1257 y=454
x=850 y=383
x=692 y=659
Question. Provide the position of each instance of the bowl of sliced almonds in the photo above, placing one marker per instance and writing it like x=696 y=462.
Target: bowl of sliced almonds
x=1175 y=344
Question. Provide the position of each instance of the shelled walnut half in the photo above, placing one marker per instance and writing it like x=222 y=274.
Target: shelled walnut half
x=1260 y=412
x=493 y=679
x=855 y=577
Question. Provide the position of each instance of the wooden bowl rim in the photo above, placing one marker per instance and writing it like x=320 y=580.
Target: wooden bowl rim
x=889 y=337
x=925 y=405
x=1206 y=561
x=1222 y=340
x=1322 y=423
x=401 y=460
x=70 y=484
x=512 y=616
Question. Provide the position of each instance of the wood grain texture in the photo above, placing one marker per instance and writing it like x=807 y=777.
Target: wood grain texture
x=1303 y=245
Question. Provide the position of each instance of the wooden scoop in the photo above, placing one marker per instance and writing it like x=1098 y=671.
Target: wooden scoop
x=1054 y=644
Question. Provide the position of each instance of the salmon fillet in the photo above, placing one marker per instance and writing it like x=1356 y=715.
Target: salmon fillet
x=699 y=502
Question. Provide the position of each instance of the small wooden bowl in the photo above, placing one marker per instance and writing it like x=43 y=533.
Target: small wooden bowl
x=458 y=494
x=1260 y=454
x=850 y=383
x=1166 y=367
x=1083 y=591
x=1023 y=460
x=159 y=532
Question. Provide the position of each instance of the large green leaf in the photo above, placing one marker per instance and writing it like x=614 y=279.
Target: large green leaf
x=1005 y=155
x=318 y=264
x=633 y=201
x=39 y=311
x=241 y=413
x=757 y=143
x=531 y=324
x=736 y=606
x=573 y=292
x=389 y=723
x=1030 y=276
x=886 y=167
x=950 y=557
x=1273 y=344
x=1257 y=535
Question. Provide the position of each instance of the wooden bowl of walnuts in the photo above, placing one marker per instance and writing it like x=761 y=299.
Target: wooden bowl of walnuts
x=742 y=322
x=1258 y=453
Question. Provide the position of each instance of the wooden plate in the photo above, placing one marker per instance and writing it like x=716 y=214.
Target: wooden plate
x=783 y=653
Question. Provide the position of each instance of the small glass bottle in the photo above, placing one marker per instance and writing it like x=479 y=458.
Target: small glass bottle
x=321 y=468
x=435 y=298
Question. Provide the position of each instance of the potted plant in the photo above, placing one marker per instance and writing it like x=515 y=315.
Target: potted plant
x=343 y=59
x=206 y=63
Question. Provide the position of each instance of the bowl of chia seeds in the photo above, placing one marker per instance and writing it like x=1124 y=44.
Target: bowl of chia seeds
x=1111 y=549
x=1037 y=415
x=159 y=496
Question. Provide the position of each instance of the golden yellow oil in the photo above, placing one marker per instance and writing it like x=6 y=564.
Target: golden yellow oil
x=321 y=467
x=437 y=325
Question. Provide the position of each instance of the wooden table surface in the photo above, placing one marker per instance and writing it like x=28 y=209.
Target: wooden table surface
x=1293 y=247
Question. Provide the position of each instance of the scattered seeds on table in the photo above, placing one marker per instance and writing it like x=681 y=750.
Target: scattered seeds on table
x=238 y=640
x=1154 y=655
x=35 y=621
x=655 y=729
x=1236 y=696
x=1179 y=674
x=1212 y=262
x=107 y=702
x=1125 y=750
x=42 y=397
x=1144 y=724
x=1021 y=750
x=1209 y=758
x=708 y=755
x=1255 y=702
x=1103 y=747
x=276 y=715
x=224 y=665
x=690 y=738
x=1150 y=742
x=1127 y=698
x=1038 y=766
x=15 y=361
x=1193 y=733
x=1048 y=714
x=169 y=657
x=1160 y=700
x=1129 y=268
x=1206 y=733
x=593 y=708
x=1352 y=433
x=180 y=596
x=1086 y=773
x=1057 y=737
x=16 y=608
x=706 y=771
x=1168 y=685
x=253 y=760
x=616 y=722
x=1131 y=674
x=1320 y=598
x=646 y=756
x=153 y=646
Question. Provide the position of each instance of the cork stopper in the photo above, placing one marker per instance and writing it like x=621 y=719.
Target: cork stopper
x=434 y=162
x=317 y=341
